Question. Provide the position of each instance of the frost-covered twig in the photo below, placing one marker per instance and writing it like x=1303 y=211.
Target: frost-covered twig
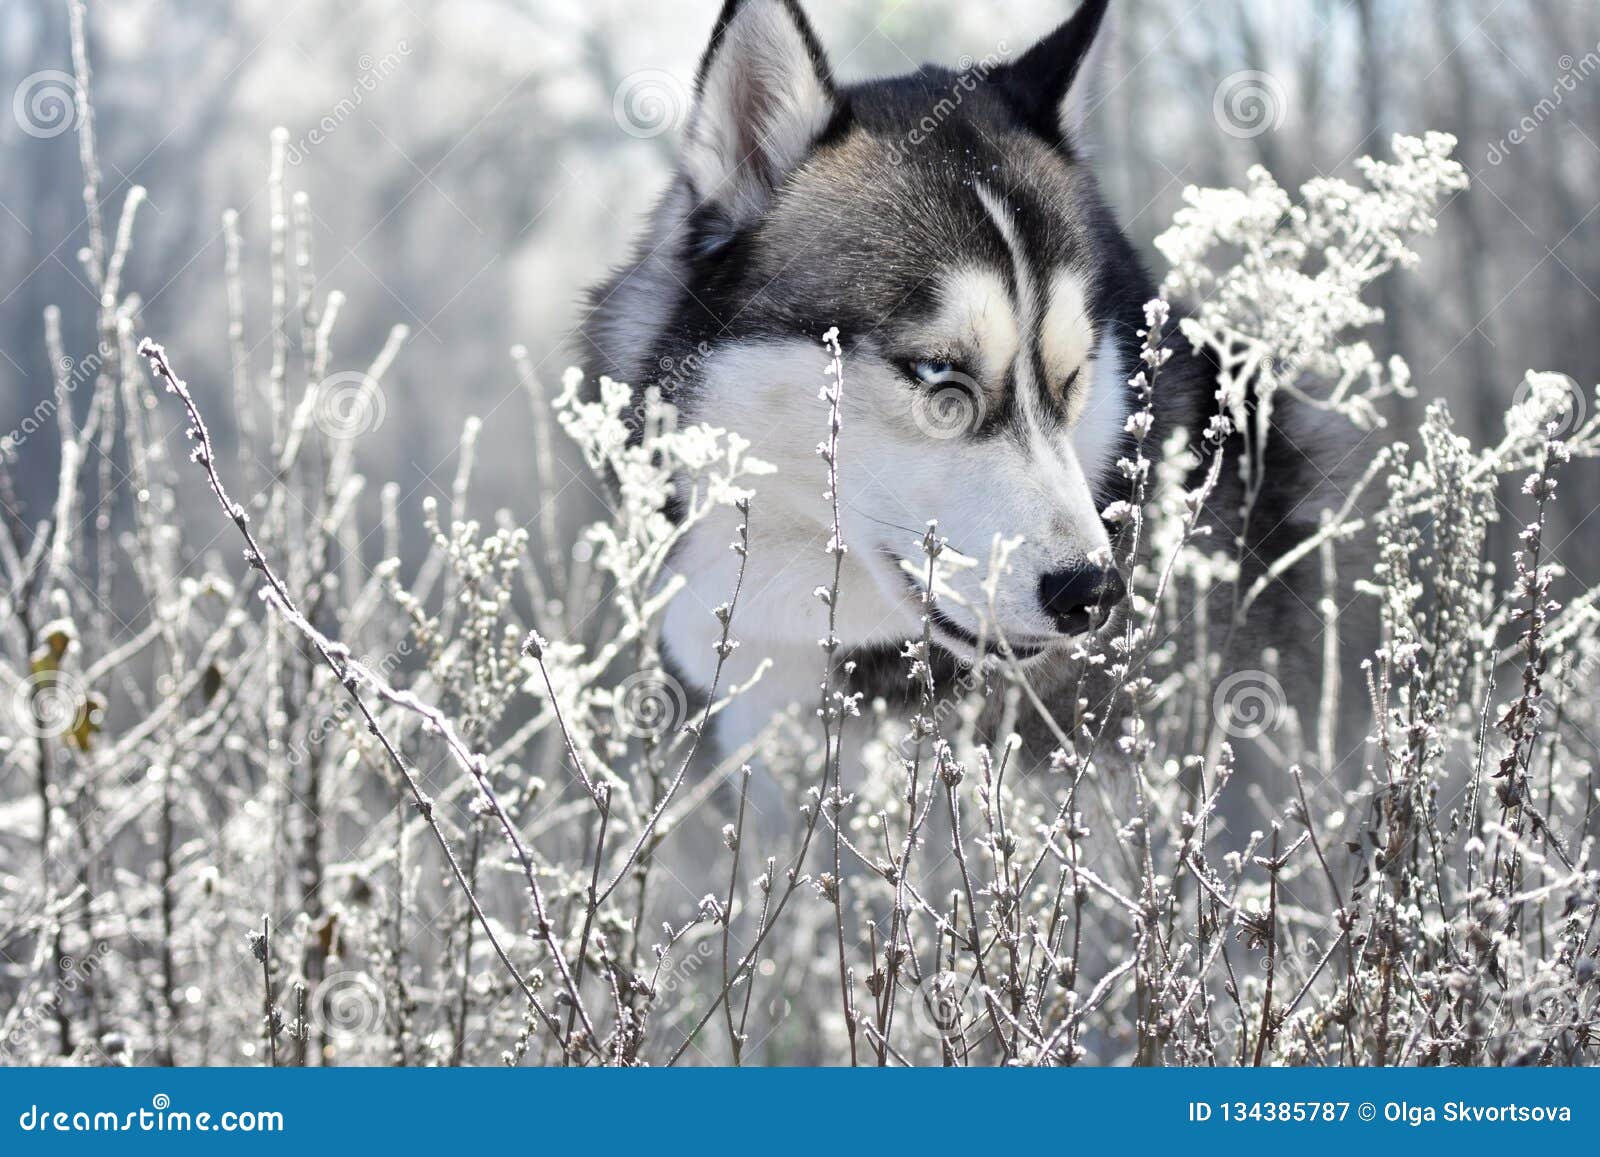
x=353 y=677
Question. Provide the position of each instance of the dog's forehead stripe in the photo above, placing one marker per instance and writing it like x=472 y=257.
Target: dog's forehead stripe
x=1028 y=310
x=1055 y=323
x=1021 y=268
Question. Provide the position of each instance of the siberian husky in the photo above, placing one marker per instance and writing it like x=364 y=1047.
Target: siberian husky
x=948 y=223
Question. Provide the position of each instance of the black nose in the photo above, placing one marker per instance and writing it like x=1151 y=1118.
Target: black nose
x=1071 y=597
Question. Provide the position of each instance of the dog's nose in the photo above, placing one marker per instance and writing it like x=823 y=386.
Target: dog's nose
x=1071 y=597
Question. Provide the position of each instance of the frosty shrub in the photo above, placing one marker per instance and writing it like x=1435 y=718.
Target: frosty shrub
x=373 y=793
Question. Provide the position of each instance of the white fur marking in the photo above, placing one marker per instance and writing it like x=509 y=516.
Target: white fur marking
x=976 y=315
x=1067 y=338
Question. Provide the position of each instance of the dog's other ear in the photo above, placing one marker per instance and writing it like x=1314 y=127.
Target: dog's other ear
x=763 y=97
x=1055 y=85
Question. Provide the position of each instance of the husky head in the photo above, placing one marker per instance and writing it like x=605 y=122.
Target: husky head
x=947 y=224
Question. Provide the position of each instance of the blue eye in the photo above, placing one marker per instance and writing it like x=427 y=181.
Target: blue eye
x=938 y=372
x=949 y=402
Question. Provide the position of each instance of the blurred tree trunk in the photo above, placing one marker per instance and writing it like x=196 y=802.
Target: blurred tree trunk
x=41 y=232
x=1487 y=405
x=1375 y=123
x=1254 y=53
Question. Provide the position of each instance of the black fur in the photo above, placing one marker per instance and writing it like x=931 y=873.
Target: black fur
x=1037 y=84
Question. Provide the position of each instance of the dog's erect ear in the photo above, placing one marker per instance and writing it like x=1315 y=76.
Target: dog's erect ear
x=763 y=97
x=1055 y=85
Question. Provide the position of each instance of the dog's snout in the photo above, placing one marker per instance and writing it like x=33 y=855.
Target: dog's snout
x=1071 y=597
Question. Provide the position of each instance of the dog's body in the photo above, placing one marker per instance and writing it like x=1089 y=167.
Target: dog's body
x=990 y=308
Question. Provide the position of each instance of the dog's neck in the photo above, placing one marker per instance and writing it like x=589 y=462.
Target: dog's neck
x=779 y=622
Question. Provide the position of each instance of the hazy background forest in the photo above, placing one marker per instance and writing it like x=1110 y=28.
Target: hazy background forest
x=183 y=768
x=480 y=162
